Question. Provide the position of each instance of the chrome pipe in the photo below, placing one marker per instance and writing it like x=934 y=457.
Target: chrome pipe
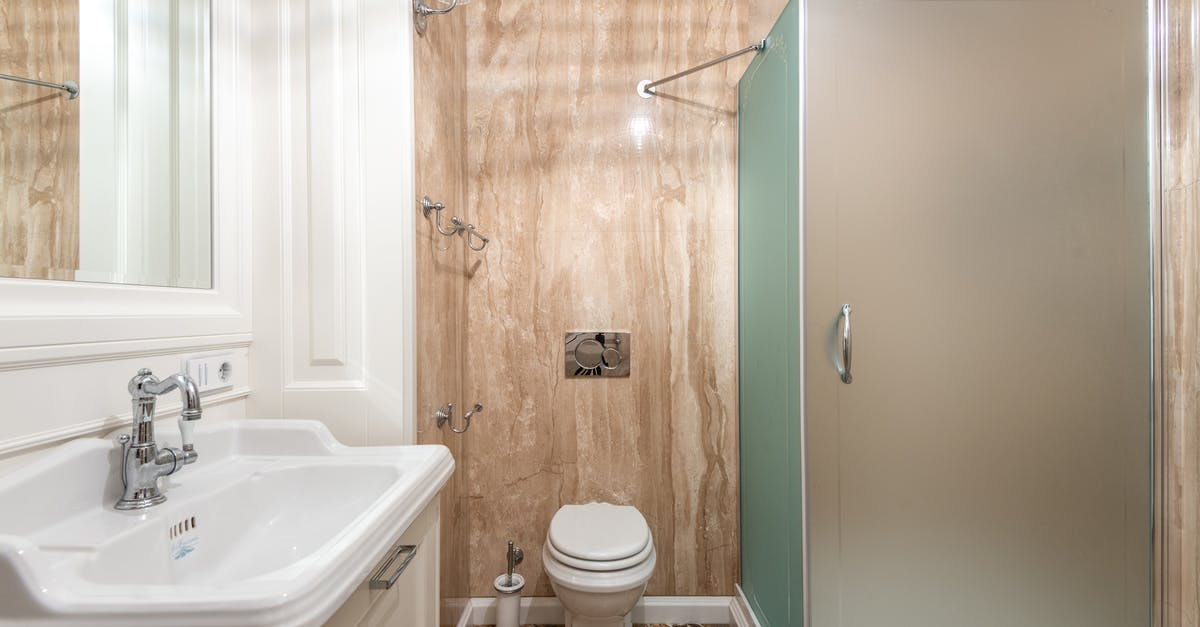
x=645 y=89
x=71 y=87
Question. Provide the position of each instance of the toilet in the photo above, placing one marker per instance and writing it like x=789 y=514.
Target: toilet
x=598 y=557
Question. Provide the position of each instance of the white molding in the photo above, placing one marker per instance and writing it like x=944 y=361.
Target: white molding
x=740 y=613
x=548 y=611
x=24 y=358
x=464 y=616
x=100 y=425
x=326 y=386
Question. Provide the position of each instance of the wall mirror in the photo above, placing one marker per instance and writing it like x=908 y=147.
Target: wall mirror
x=113 y=185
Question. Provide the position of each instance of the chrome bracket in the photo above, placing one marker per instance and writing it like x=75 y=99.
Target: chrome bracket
x=422 y=11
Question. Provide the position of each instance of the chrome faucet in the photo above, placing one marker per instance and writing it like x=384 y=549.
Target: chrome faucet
x=143 y=461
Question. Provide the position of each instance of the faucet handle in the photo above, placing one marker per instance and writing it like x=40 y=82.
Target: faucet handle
x=186 y=426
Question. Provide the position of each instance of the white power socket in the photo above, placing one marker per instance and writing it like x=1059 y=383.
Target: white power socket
x=210 y=372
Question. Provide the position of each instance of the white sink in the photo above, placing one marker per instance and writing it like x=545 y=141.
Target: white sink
x=275 y=524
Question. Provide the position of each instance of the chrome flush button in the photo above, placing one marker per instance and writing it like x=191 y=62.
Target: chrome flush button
x=597 y=354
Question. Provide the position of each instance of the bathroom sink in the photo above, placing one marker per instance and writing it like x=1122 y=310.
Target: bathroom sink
x=275 y=524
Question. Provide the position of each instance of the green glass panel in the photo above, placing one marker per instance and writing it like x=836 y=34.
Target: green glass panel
x=769 y=293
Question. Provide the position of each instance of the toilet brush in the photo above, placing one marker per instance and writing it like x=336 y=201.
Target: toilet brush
x=508 y=589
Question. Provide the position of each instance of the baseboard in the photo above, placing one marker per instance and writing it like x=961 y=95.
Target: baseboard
x=741 y=614
x=459 y=607
x=548 y=611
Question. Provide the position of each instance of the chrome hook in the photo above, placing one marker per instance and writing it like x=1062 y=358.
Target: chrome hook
x=471 y=232
x=422 y=11
x=427 y=206
x=457 y=225
x=420 y=8
x=446 y=415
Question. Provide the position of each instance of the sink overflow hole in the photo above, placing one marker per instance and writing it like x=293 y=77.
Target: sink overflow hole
x=183 y=526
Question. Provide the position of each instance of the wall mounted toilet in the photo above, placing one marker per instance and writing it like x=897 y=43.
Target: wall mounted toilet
x=598 y=557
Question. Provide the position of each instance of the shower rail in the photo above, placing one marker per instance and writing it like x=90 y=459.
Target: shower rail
x=71 y=87
x=645 y=89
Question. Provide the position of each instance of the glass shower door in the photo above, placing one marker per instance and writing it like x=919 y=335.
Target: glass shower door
x=972 y=178
x=769 y=327
x=976 y=188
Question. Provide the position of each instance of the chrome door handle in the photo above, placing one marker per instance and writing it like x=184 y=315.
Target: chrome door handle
x=381 y=579
x=844 y=367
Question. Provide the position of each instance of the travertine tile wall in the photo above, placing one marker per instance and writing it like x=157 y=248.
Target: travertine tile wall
x=440 y=108
x=39 y=154
x=763 y=14
x=608 y=212
x=1181 y=338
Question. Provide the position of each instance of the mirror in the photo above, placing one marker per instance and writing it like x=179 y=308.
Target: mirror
x=113 y=185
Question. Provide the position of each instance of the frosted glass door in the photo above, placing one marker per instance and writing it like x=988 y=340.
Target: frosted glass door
x=975 y=186
x=770 y=327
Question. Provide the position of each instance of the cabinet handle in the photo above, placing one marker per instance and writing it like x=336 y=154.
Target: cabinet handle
x=403 y=554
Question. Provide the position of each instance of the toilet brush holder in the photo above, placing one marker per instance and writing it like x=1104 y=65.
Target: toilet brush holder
x=508 y=600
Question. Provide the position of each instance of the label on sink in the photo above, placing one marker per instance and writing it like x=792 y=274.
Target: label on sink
x=182 y=547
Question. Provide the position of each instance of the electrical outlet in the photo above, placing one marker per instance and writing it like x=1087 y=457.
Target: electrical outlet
x=210 y=372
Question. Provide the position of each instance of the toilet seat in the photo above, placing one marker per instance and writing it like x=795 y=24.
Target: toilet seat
x=599 y=582
x=600 y=565
x=599 y=533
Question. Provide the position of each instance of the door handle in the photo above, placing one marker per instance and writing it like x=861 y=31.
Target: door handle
x=847 y=351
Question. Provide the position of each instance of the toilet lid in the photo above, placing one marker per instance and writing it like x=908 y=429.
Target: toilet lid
x=599 y=531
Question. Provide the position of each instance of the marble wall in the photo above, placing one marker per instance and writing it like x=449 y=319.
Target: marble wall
x=763 y=14
x=39 y=157
x=1180 y=585
x=607 y=212
x=440 y=110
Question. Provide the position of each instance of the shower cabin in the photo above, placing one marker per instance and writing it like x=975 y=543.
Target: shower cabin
x=945 y=312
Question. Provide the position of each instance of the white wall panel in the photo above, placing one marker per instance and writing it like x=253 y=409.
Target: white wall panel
x=334 y=220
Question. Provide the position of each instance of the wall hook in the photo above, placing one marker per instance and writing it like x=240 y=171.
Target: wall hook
x=428 y=206
x=446 y=415
x=422 y=11
x=457 y=225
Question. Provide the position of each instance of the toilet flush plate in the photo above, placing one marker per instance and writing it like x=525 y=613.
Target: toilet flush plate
x=597 y=354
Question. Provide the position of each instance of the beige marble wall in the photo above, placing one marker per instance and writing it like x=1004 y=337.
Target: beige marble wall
x=440 y=79
x=1180 y=586
x=606 y=211
x=763 y=14
x=39 y=154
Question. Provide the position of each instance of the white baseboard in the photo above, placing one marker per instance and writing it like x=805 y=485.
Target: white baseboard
x=739 y=609
x=461 y=607
x=548 y=611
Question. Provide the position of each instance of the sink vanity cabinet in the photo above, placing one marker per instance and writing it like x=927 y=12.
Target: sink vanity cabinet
x=413 y=598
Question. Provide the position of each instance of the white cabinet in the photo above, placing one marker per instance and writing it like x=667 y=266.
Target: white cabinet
x=413 y=600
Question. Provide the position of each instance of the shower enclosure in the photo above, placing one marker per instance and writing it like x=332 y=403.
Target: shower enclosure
x=945 y=315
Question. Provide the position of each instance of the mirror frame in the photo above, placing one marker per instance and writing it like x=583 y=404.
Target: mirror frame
x=43 y=321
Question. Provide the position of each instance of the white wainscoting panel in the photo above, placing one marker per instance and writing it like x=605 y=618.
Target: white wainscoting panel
x=334 y=219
